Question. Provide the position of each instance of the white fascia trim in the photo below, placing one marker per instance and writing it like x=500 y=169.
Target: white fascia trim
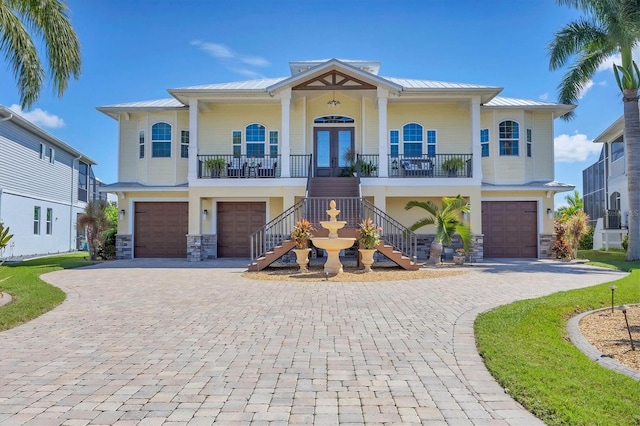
x=42 y=199
x=419 y=182
x=527 y=188
x=248 y=183
x=145 y=189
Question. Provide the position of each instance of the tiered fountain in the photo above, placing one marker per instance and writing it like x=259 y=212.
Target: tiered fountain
x=332 y=244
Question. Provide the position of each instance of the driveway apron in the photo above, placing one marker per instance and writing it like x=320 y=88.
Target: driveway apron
x=175 y=343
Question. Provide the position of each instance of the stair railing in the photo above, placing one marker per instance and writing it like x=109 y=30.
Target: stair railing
x=393 y=233
x=275 y=231
x=309 y=175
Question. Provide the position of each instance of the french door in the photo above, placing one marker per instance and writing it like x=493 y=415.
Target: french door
x=333 y=147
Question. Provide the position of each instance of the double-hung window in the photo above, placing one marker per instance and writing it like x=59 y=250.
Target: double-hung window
x=83 y=181
x=49 y=221
x=394 y=142
x=52 y=155
x=412 y=140
x=484 y=142
x=161 y=140
x=509 y=137
x=431 y=143
x=236 y=140
x=141 y=144
x=255 y=135
x=36 y=220
x=184 y=144
x=529 y=142
x=273 y=143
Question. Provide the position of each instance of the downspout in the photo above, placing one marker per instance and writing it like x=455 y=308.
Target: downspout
x=71 y=248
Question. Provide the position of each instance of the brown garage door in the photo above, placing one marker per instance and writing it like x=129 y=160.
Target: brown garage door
x=236 y=222
x=510 y=228
x=161 y=229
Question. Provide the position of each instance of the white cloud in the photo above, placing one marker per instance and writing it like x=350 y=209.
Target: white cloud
x=588 y=85
x=39 y=117
x=574 y=148
x=230 y=59
x=617 y=59
x=544 y=96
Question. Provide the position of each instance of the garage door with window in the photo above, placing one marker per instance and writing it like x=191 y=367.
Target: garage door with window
x=510 y=228
x=160 y=230
x=236 y=223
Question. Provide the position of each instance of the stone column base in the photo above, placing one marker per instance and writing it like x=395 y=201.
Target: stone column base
x=124 y=246
x=201 y=247
x=545 y=242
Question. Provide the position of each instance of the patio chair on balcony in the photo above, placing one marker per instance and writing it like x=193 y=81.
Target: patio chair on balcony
x=267 y=168
x=418 y=167
x=236 y=168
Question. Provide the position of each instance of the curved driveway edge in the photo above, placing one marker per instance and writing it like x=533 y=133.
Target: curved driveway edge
x=173 y=342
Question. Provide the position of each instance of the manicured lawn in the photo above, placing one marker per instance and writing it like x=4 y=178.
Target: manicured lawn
x=525 y=346
x=33 y=297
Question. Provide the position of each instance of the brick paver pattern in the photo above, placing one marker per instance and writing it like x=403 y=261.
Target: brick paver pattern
x=173 y=343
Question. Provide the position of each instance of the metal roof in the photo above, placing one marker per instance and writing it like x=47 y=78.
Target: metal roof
x=261 y=85
x=156 y=103
x=500 y=101
x=408 y=83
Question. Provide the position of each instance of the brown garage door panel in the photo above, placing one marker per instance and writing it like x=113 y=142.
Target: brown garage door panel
x=161 y=230
x=510 y=228
x=236 y=223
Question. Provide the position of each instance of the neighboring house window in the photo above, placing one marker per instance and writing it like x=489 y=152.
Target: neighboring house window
x=184 y=144
x=161 y=140
x=255 y=137
x=83 y=181
x=484 y=142
x=52 y=155
x=394 y=141
x=43 y=151
x=529 y=142
x=617 y=150
x=412 y=140
x=236 y=140
x=273 y=143
x=36 y=220
x=509 y=136
x=431 y=143
x=49 y=221
x=141 y=144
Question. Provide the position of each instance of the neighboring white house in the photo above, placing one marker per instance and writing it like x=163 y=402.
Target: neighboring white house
x=44 y=185
x=605 y=189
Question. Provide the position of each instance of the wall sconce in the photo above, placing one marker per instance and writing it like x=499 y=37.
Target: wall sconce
x=550 y=213
x=122 y=214
x=205 y=213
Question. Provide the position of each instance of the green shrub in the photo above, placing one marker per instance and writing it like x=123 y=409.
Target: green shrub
x=586 y=241
x=625 y=242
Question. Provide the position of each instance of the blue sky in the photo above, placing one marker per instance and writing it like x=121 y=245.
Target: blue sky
x=135 y=50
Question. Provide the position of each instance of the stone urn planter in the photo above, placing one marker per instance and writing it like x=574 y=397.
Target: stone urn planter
x=366 y=257
x=459 y=260
x=302 y=259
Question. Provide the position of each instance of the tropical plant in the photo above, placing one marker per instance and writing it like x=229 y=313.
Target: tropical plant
x=575 y=204
x=215 y=165
x=453 y=164
x=576 y=226
x=560 y=248
x=586 y=241
x=95 y=222
x=447 y=220
x=610 y=27
x=302 y=233
x=5 y=237
x=369 y=234
x=22 y=19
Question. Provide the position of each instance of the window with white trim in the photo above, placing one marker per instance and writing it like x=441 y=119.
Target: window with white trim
x=161 y=140
x=617 y=149
x=529 y=142
x=255 y=135
x=49 y=221
x=141 y=144
x=36 y=220
x=509 y=138
x=273 y=143
x=52 y=155
x=412 y=138
x=394 y=142
x=43 y=151
x=484 y=142
x=431 y=143
x=184 y=144
x=236 y=141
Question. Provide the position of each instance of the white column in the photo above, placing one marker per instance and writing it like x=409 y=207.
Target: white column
x=285 y=102
x=193 y=139
x=476 y=149
x=383 y=160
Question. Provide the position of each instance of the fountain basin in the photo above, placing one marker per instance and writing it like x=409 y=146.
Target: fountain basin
x=333 y=246
x=333 y=226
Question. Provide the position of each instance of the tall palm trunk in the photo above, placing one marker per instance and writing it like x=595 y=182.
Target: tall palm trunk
x=632 y=154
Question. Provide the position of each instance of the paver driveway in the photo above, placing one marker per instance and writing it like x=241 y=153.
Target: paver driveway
x=169 y=342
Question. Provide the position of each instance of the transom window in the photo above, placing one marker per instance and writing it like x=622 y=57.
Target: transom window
x=333 y=119
x=509 y=137
x=484 y=142
x=412 y=139
x=394 y=141
x=161 y=140
x=255 y=137
x=184 y=144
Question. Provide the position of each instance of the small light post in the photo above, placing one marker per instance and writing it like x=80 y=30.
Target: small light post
x=613 y=289
x=623 y=308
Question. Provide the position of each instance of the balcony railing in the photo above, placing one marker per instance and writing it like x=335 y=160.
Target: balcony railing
x=612 y=219
x=242 y=166
x=430 y=166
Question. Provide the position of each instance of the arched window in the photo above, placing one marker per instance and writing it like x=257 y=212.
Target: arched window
x=412 y=137
x=509 y=137
x=255 y=135
x=333 y=119
x=161 y=140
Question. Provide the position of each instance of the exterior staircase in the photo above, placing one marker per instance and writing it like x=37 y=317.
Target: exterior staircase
x=334 y=187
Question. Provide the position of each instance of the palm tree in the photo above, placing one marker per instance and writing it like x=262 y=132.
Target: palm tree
x=610 y=27
x=447 y=221
x=95 y=222
x=19 y=20
x=576 y=204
